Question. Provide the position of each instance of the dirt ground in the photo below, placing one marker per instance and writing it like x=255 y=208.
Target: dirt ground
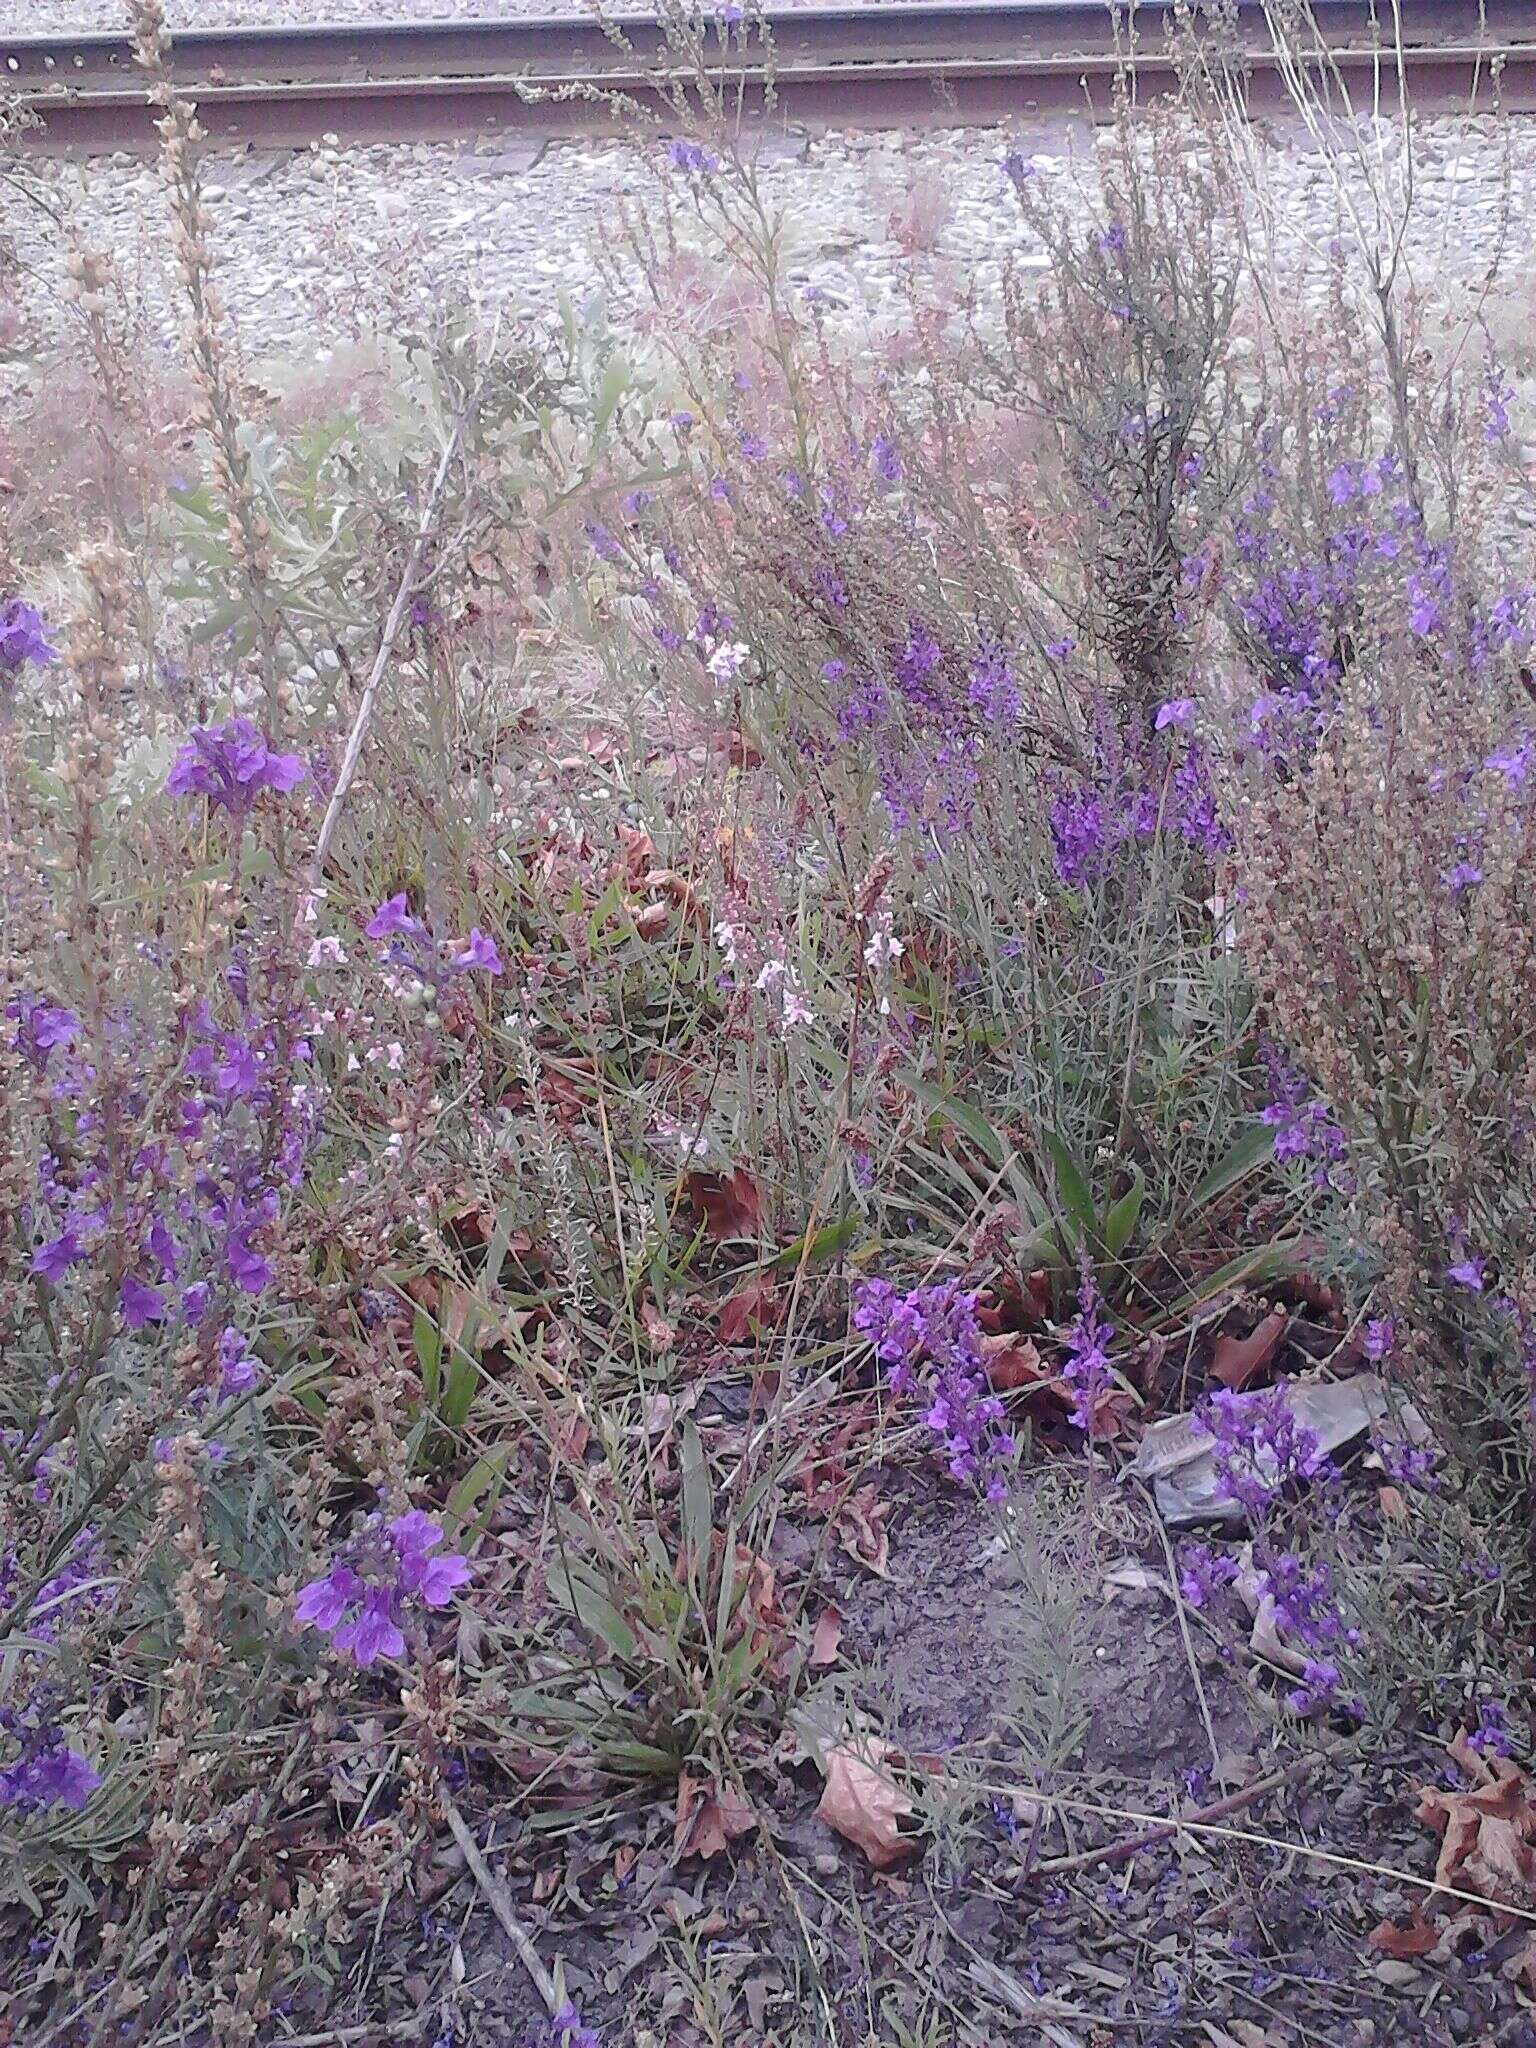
x=788 y=1939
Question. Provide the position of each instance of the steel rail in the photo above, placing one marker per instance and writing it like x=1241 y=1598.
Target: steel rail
x=939 y=61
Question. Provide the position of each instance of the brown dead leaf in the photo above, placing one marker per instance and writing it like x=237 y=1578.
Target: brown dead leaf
x=750 y=1313
x=1013 y=1362
x=825 y=1638
x=1238 y=1361
x=728 y=1206
x=709 y=1817
x=1418 y=1938
x=1392 y=1504
x=651 y=919
x=1488 y=1835
x=863 y=1804
x=861 y=1530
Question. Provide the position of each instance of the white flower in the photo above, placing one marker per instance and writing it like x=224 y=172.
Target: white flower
x=882 y=948
x=328 y=951
x=725 y=939
x=797 y=1011
x=771 y=972
x=725 y=659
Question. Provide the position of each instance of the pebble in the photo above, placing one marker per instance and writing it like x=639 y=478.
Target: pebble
x=311 y=243
x=97 y=17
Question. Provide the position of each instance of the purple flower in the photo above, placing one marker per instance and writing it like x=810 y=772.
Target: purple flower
x=934 y=1330
x=603 y=544
x=1177 y=711
x=51 y=1261
x=441 y=1577
x=1302 y=1126
x=1318 y=1689
x=1491 y=1736
x=1259 y=1446
x=40 y=1028
x=478 y=951
x=684 y=155
x=249 y=1270
x=323 y=1602
x=1380 y=1335
x=23 y=637
x=567 y=2030
x=1497 y=393
x=1086 y=1368
x=230 y=765
x=1463 y=876
x=886 y=457
x=392 y=918
x=372 y=1633
x=141 y=1304
x=1469 y=1272
x=1204 y=1573
x=237 y=1363
x=53 y=1776
x=380 y=1575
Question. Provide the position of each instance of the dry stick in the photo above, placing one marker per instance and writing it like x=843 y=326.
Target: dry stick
x=392 y=625
x=496 y=1895
x=1182 y=1611
x=1122 y=1851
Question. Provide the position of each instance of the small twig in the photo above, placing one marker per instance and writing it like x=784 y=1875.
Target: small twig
x=392 y=625
x=1115 y=1853
x=1189 y=1646
x=496 y=1897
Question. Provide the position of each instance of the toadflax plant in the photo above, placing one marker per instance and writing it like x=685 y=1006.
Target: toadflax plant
x=380 y=1581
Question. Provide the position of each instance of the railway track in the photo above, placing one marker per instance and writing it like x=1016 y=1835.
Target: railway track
x=921 y=62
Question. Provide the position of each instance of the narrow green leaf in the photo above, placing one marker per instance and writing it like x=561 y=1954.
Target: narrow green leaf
x=428 y=1340
x=1071 y=1181
x=1265 y=1262
x=1120 y=1223
x=698 y=1498
x=1252 y=1149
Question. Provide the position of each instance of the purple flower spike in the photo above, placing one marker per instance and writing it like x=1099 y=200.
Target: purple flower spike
x=48 y=1777
x=382 y=1577
x=684 y=155
x=230 y=765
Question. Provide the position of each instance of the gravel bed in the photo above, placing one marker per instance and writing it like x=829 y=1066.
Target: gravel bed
x=72 y=17
x=310 y=241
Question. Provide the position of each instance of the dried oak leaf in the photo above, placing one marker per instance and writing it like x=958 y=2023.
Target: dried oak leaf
x=1403 y=1944
x=1238 y=1361
x=863 y=1804
x=709 y=1817
x=1488 y=1835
